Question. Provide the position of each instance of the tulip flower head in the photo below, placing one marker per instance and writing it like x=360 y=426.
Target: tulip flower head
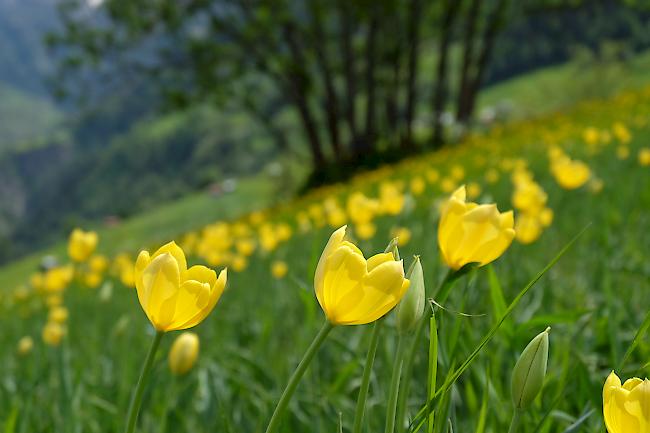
x=25 y=345
x=570 y=174
x=473 y=233
x=352 y=290
x=183 y=353
x=626 y=406
x=172 y=296
x=81 y=245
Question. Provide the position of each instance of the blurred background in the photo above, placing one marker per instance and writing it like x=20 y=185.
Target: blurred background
x=165 y=109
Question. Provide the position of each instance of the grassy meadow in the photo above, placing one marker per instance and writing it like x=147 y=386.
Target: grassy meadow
x=595 y=298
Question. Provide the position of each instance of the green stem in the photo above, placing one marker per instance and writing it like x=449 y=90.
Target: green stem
x=394 y=386
x=136 y=400
x=365 y=380
x=296 y=376
x=441 y=295
x=433 y=367
x=515 y=421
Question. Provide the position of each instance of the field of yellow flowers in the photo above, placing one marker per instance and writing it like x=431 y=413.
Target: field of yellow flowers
x=489 y=287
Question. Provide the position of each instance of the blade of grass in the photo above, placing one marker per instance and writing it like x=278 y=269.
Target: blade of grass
x=423 y=413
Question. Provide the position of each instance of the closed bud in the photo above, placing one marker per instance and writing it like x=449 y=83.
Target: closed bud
x=411 y=307
x=530 y=369
x=183 y=353
x=392 y=248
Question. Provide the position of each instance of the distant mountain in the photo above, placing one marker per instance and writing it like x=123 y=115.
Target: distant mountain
x=24 y=61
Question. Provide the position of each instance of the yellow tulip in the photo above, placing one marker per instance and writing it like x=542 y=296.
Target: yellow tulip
x=403 y=235
x=25 y=345
x=58 y=314
x=644 y=156
x=626 y=407
x=279 y=269
x=528 y=229
x=352 y=290
x=98 y=263
x=183 y=353
x=172 y=296
x=570 y=174
x=472 y=233
x=53 y=333
x=81 y=244
x=622 y=152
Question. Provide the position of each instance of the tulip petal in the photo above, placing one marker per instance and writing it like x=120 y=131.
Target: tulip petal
x=176 y=252
x=202 y=274
x=160 y=284
x=215 y=295
x=333 y=243
x=343 y=277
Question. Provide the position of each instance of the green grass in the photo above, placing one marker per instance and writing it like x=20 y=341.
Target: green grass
x=559 y=87
x=25 y=120
x=159 y=225
x=595 y=298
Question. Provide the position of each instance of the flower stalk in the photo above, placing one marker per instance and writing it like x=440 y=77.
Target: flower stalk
x=365 y=379
x=281 y=407
x=136 y=400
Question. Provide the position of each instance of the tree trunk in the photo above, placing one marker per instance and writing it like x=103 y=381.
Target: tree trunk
x=468 y=60
x=495 y=24
x=331 y=98
x=440 y=93
x=298 y=91
x=371 y=109
x=414 y=21
x=349 y=69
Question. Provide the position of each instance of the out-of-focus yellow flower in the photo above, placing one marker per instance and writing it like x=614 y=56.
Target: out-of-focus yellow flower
x=622 y=152
x=361 y=209
x=184 y=353
x=591 y=136
x=365 y=231
x=238 y=263
x=417 y=186
x=596 y=185
x=245 y=246
x=172 y=296
x=58 y=278
x=447 y=185
x=279 y=269
x=53 y=333
x=352 y=290
x=492 y=176
x=626 y=406
x=570 y=174
x=621 y=133
x=53 y=300
x=403 y=235
x=457 y=172
x=92 y=279
x=127 y=276
x=472 y=233
x=37 y=281
x=391 y=199
x=25 y=345
x=58 y=314
x=81 y=245
x=545 y=217
x=432 y=175
x=527 y=228
x=644 y=156
x=473 y=190
x=98 y=263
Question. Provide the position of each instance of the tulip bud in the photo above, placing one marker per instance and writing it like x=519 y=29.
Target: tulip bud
x=392 y=248
x=411 y=307
x=530 y=369
x=183 y=353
